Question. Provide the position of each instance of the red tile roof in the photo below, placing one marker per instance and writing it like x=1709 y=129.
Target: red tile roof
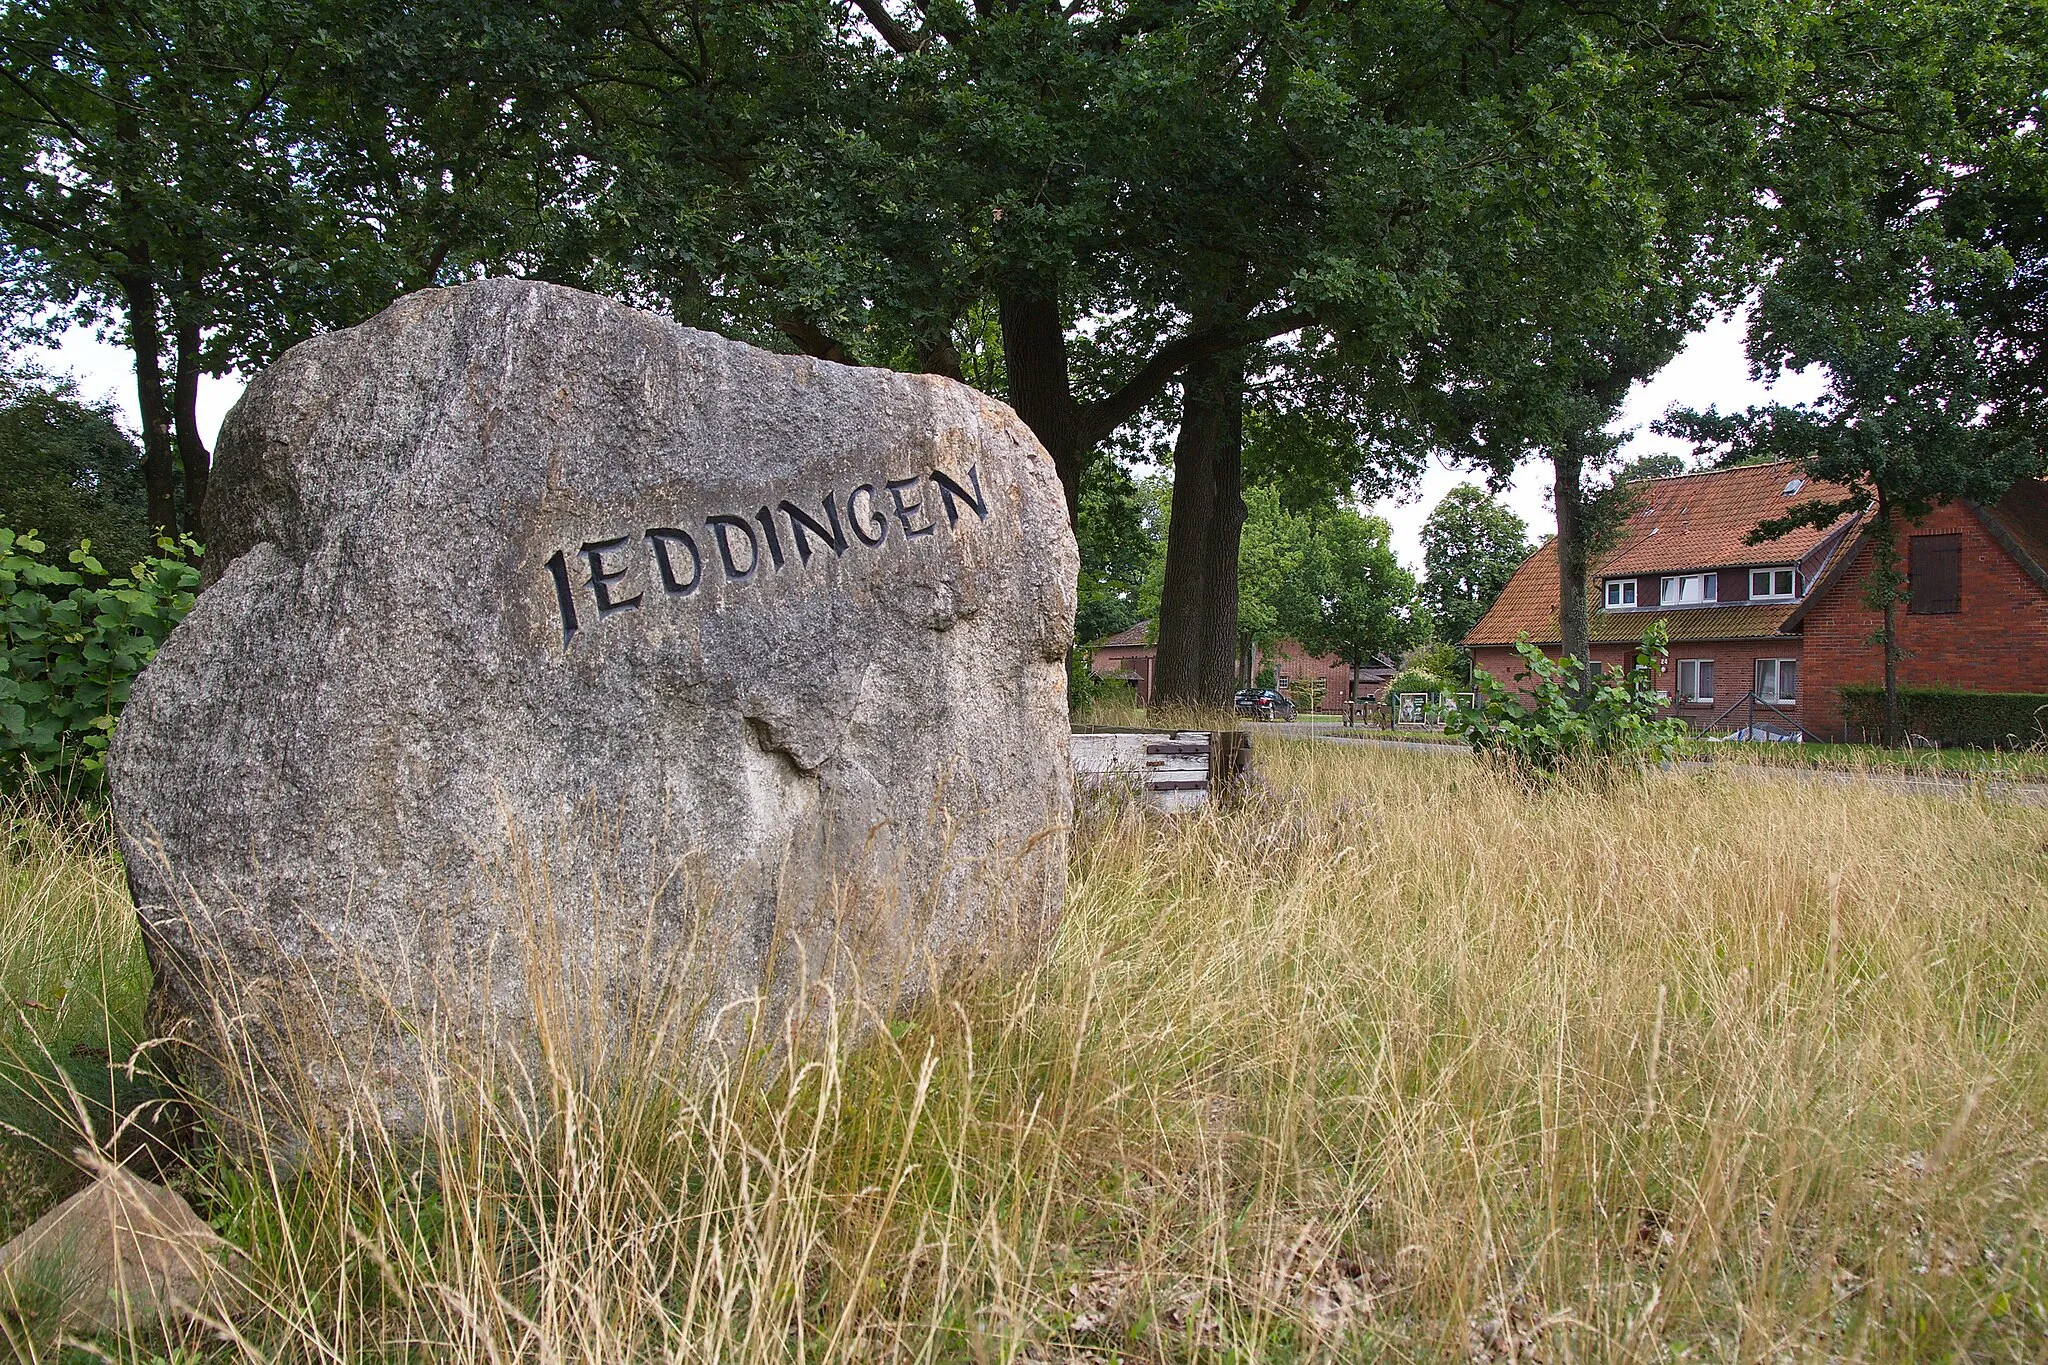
x=1699 y=521
x=1526 y=606
x=1736 y=621
x=1134 y=635
x=1690 y=521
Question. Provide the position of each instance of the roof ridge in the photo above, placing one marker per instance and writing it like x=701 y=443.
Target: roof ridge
x=1725 y=469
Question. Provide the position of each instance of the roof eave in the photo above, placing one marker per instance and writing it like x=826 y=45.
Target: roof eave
x=1852 y=547
x=2008 y=542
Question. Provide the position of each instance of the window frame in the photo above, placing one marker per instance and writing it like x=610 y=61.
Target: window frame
x=1678 y=684
x=1671 y=589
x=1770 y=576
x=1609 y=594
x=1777 y=681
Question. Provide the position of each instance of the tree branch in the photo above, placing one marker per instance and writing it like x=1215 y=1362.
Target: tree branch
x=1105 y=415
x=811 y=338
x=893 y=33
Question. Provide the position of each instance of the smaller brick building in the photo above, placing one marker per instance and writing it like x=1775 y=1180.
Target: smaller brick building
x=1128 y=656
x=1786 y=622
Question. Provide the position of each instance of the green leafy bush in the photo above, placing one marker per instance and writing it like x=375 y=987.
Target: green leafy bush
x=1953 y=717
x=1618 y=725
x=71 y=642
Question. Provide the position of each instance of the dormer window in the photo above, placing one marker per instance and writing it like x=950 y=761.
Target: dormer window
x=1773 y=585
x=1689 y=590
x=1621 y=594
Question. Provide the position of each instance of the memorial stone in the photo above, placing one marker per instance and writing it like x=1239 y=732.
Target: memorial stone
x=543 y=635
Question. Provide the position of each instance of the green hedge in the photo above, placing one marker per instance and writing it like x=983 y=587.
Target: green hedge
x=1952 y=716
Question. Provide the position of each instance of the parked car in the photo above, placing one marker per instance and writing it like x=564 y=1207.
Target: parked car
x=1264 y=703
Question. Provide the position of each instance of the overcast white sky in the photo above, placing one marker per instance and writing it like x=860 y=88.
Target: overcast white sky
x=1710 y=370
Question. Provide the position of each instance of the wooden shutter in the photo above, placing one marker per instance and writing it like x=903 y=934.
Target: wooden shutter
x=1935 y=567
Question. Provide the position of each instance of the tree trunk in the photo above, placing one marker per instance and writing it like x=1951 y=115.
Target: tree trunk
x=1219 y=647
x=1568 y=464
x=941 y=357
x=145 y=337
x=193 y=456
x=1884 y=546
x=1197 y=662
x=1035 y=358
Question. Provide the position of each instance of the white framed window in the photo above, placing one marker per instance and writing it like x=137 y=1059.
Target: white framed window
x=1621 y=593
x=1689 y=590
x=1777 y=680
x=1773 y=585
x=1695 y=680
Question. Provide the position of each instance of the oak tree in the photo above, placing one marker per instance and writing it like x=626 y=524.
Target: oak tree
x=1909 y=235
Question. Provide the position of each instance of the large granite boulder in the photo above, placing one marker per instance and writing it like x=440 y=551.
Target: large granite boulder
x=555 y=652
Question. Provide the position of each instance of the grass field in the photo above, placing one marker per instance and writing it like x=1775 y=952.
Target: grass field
x=1399 y=1063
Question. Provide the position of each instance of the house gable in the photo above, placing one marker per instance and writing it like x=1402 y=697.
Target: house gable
x=1996 y=639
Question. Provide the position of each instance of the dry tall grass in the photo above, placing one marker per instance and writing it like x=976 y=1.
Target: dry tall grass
x=72 y=982
x=70 y=954
x=1403 y=1063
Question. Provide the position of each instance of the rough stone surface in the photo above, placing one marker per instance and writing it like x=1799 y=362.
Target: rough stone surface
x=118 y=1254
x=518 y=679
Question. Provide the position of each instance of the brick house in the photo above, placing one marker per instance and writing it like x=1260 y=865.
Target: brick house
x=1785 y=621
x=1127 y=655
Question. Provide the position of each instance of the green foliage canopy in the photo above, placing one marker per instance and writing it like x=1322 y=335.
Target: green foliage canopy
x=68 y=469
x=1118 y=533
x=1360 y=601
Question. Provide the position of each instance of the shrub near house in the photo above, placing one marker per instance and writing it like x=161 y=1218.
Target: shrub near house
x=1777 y=631
x=72 y=641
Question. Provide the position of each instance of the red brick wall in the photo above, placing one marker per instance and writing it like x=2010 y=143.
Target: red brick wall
x=1295 y=664
x=1734 y=675
x=1503 y=663
x=1289 y=658
x=1118 y=660
x=1997 y=642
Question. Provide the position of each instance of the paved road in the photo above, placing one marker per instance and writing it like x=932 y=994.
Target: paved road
x=1961 y=785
